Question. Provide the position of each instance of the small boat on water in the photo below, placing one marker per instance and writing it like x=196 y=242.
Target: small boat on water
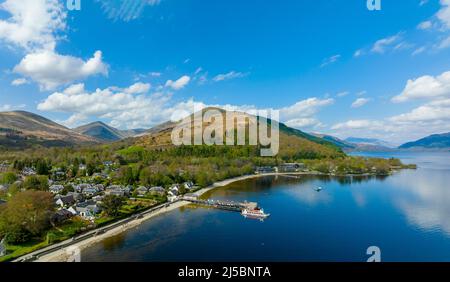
x=318 y=189
x=255 y=213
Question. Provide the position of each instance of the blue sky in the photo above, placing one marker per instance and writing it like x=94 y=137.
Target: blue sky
x=329 y=66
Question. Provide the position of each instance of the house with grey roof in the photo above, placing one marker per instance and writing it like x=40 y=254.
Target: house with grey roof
x=56 y=189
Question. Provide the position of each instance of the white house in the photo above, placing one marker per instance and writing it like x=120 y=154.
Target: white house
x=56 y=189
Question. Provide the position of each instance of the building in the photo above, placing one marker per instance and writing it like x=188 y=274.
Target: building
x=291 y=167
x=77 y=196
x=116 y=190
x=80 y=187
x=158 y=190
x=56 y=189
x=87 y=210
x=28 y=171
x=90 y=191
x=265 y=169
x=65 y=201
x=142 y=190
x=190 y=197
x=61 y=216
x=189 y=186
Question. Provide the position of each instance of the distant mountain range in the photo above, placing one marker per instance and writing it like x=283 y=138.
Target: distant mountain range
x=435 y=141
x=369 y=142
x=358 y=144
x=21 y=129
x=106 y=133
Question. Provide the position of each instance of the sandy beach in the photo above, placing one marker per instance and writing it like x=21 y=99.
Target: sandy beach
x=67 y=253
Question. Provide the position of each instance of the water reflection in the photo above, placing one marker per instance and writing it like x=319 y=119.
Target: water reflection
x=407 y=214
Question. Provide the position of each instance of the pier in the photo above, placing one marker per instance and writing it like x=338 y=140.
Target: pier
x=223 y=205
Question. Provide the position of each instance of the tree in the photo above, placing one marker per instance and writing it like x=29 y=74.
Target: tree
x=8 y=178
x=42 y=168
x=36 y=182
x=27 y=214
x=111 y=204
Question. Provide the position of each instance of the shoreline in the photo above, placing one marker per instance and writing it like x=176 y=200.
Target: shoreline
x=65 y=251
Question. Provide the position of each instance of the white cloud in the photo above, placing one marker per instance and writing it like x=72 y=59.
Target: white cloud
x=7 y=107
x=330 y=60
x=382 y=45
x=137 y=110
x=445 y=43
x=19 y=81
x=155 y=74
x=425 y=87
x=138 y=88
x=178 y=84
x=51 y=70
x=425 y=25
x=360 y=102
x=418 y=51
x=303 y=123
x=438 y=110
x=356 y=124
x=228 y=76
x=444 y=13
x=304 y=108
x=32 y=24
x=358 y=53
x=342 y=94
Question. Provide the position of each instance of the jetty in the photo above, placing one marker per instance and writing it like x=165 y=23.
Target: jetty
x=223 y=205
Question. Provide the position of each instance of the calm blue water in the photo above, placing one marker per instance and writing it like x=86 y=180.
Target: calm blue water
x=406 y=215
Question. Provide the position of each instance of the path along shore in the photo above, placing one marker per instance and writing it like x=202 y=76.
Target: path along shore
x=67 y=250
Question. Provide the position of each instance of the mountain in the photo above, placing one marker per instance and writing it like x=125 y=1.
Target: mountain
x=336 y=141
x=353 y=144
x=369 y=141
x=436 y=141
x=101 y=131
x=292 y=141
x=106 y=133
x=20 y=129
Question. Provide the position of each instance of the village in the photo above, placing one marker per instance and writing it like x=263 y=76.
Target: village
x=83 y=196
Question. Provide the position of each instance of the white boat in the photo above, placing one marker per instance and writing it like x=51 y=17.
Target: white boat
x=318 y=189
x=256 y=213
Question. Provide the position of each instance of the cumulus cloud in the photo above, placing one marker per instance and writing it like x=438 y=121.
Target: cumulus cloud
x=426 y=86
x=138 y=88
x=51 y=70
x=32 y=24
x=127 y=109
x=178 y=84
x=228 y=76
x=360 y=102
x=36 y=27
